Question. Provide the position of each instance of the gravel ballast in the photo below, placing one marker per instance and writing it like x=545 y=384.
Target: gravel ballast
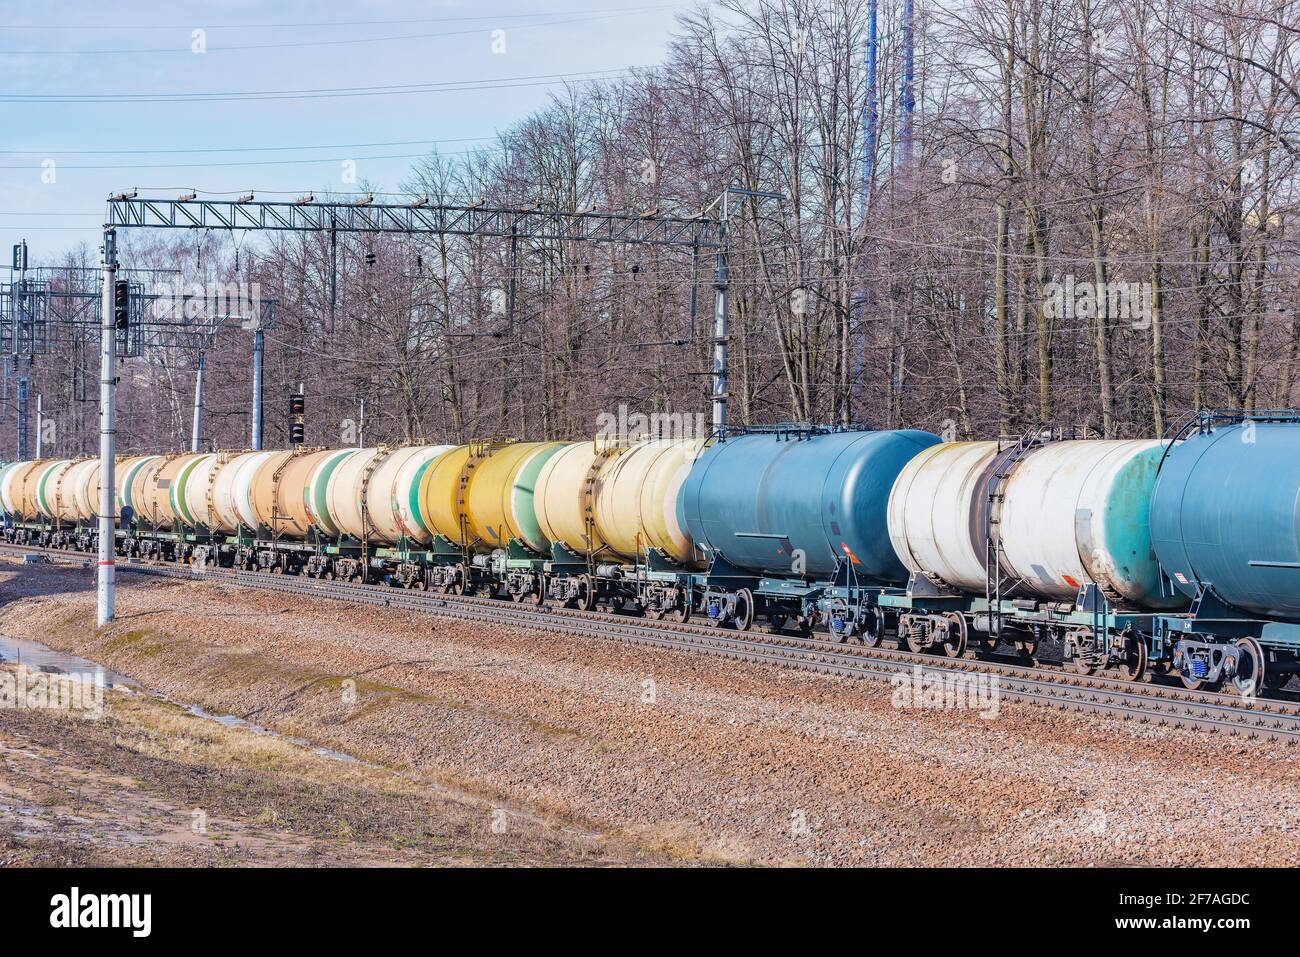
x=691 y=757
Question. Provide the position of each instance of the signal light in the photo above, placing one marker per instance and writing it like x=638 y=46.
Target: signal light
x=297 y=403
x=121 y=303
x=297 y=435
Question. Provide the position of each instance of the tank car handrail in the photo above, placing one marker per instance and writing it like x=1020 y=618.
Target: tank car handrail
x=801 y=431
x=1180 y=434
x=1206 y=419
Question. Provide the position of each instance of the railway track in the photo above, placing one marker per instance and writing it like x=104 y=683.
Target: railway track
x=1150 y=704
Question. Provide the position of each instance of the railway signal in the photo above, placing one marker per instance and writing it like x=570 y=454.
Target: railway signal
x=121 y=304
x=297 y=412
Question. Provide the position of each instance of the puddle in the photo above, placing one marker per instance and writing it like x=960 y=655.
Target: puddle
x=230 y=721
x=39 y=657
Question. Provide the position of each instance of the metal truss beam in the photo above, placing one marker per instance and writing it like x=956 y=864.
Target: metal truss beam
x=50 y=314
x=416 y=219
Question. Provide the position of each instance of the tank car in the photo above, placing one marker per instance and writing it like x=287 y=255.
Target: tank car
x=792 y=524
x=1225 y=524
x=1037 y=540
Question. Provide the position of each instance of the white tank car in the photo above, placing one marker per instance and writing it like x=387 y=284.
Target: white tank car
x=1072 y=513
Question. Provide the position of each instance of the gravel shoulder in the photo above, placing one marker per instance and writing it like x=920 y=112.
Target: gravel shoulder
x=619 y=754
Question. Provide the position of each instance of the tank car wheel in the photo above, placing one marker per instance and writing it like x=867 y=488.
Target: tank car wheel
x=1081 y=664
x=539 y=596
x=1249 y=679
x=681 y=614
x=954 y=643
x=1276 y=680
x=459 y=583
x=421 y=582
x=873 y=627
x=1133 y=665
x=655 y=613
x=744 y=613
x=586 y=594
x=916 y=639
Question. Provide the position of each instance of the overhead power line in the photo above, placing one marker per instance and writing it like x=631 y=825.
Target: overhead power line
x=240 y=149
x=135 y=25
x=185 y=48
x=447 y=86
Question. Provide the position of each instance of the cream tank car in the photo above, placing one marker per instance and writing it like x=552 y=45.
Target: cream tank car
x=1070 y=513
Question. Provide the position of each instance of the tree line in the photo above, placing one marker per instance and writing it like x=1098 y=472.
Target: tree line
x=1085 y=219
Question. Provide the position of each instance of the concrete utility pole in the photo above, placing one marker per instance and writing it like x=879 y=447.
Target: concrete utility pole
x=196 y=440
x=40 y=427
x=258 y=346
x=107 y=435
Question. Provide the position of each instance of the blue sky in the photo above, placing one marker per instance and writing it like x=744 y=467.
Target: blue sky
x=76 y=49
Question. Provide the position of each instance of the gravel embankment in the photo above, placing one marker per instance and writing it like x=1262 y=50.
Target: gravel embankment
x=686 y=755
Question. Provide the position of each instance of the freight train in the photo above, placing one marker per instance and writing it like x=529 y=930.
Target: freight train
x=1175 y=557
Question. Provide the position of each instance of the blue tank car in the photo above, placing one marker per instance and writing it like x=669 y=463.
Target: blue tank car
x=1225 y=525
x=775 y=512
x=1225 y=516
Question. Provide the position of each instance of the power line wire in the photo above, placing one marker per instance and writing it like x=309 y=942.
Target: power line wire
x=449 y=86
x=186 y=49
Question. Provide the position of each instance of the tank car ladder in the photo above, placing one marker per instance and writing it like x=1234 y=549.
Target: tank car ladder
x=278 y=515
x=996 y=585
x=480 y=450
